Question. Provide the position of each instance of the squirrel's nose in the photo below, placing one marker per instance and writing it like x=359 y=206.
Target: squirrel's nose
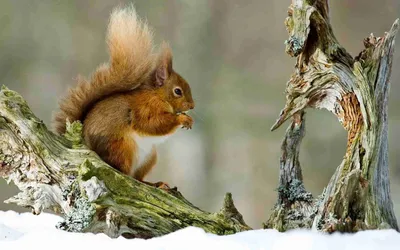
x=191 y=106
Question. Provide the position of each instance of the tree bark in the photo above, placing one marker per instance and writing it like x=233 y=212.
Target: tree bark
x=355 y=90
x=61 y=174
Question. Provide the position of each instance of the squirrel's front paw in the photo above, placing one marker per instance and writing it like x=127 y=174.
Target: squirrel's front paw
x=185 y=120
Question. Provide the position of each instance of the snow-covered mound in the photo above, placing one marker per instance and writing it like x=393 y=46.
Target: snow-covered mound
x=27 y=231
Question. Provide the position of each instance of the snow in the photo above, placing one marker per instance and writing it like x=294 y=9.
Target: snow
x=28 y=231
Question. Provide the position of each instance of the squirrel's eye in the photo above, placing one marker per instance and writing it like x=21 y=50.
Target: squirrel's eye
x=178 y=91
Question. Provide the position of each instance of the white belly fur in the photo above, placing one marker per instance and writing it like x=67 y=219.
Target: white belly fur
x=145 y=145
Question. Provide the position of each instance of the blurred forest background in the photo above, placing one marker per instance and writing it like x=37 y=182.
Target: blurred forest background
x=232 y=54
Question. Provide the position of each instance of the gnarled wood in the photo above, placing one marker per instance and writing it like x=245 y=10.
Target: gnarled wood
x=356 y=91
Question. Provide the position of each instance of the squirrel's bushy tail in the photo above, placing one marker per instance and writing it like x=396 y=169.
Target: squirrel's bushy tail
x=132 y=60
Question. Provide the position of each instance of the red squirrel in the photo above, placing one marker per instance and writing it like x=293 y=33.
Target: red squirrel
x=132 y=103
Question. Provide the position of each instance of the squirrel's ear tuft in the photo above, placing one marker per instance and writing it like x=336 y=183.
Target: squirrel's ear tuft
x=164 y=67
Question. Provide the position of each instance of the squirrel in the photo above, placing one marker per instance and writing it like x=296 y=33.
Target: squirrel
x=132 y=103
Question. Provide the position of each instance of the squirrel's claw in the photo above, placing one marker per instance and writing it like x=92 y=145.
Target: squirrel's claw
x=165 y=186
x=162 y=185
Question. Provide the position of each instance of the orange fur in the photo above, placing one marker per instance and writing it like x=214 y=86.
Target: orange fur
x=130 y=102
x=141 y=172
x=130 y=44
x=122 y=154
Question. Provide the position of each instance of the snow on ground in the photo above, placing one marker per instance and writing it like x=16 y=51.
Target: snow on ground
x=27 y=231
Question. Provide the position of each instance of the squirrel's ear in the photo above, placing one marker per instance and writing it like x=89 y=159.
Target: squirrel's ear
x=164 y=67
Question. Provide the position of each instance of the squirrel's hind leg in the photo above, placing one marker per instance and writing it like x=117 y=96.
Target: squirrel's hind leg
x=146 y=167
x=121 y=155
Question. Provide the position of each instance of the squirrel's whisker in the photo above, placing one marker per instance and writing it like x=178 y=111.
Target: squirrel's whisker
x=196 y=114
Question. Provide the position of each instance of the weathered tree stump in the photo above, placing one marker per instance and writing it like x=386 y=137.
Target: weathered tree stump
x=355 y=90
